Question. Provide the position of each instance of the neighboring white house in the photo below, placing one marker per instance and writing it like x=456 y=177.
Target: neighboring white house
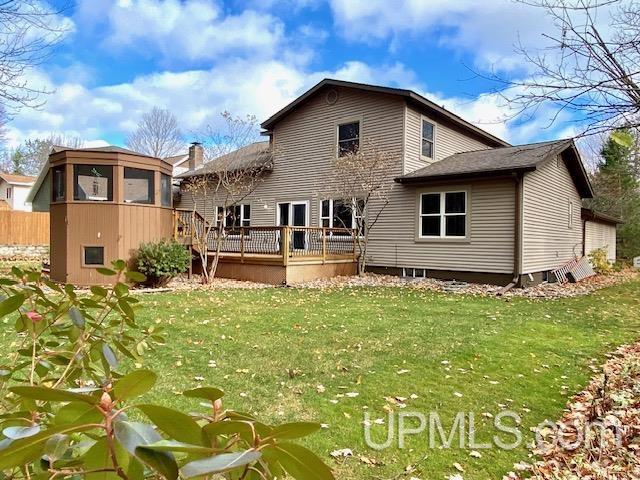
x=14 y=190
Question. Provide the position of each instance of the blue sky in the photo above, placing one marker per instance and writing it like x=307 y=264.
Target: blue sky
x=120 y=58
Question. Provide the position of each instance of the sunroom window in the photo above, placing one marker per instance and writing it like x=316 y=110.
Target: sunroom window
x=93 y=183
x=138 y=185
x=443 y=215
x=57 y=183
x=165 y=190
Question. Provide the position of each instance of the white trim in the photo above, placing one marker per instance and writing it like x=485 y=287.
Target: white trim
x=432 y=158
x=290 y=219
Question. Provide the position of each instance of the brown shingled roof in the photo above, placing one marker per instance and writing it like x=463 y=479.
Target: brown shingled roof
x=250 y=156
x=11 y=178
x=502 y=160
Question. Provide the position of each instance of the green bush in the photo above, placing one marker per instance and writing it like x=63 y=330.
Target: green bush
x=161 y=261
x=70 y=410
x=600 y=261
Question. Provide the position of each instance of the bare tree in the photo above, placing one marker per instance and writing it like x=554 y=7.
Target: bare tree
x=585 y=69
x=29 y=30
x=157 y=134
x=360 y=181
x=29 y=157
x=233 y=168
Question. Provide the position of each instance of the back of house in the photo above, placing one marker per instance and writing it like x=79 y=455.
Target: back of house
x=462 y=203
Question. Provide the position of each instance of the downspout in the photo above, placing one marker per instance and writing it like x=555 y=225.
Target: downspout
x=517 y=241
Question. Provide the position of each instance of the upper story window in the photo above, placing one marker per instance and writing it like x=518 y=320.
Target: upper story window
x=443 y=214
x=348 y=138
x=428 y=130
x=570 y=225
x=138 y=186
x=165 y=190
x=58 y=183
x=93 y=183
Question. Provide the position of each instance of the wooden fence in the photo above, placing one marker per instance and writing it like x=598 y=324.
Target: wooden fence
x=24 y=228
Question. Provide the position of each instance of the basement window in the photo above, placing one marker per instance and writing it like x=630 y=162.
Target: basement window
x=138 y=185
x=93 y=256
x=93 y=183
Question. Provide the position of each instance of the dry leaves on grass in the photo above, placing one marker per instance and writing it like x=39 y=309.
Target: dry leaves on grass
x=611 y=446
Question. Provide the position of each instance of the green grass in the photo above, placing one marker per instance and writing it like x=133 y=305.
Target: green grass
x=357 y=340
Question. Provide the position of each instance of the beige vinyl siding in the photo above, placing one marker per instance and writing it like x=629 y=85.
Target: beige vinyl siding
x=393 y=241
x=305 y=144
x=548 y=241
x=600 y=235
x=447 y=141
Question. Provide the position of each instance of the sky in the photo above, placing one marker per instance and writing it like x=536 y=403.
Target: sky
x=198 y=58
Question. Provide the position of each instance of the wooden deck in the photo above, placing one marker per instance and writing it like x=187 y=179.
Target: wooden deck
x=271 y=254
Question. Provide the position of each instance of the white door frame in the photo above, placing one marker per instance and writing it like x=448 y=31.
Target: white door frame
x=290 y=219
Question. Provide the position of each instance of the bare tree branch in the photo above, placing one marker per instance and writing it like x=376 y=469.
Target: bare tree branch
x=157 y=135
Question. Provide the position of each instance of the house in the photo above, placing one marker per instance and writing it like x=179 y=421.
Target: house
x=14 y=190
x=464 y=204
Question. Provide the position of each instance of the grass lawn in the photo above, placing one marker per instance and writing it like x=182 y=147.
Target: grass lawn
x=386 y=342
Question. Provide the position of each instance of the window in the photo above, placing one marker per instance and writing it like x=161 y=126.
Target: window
x=443 y=214
x=93 y=183
x=93 y=256
x=237 y=216
x=138 y=186
x=9 y=191
x=58 y=183
x=341 y=213
x=165 y=190
x=427 y=138
x=348 y=138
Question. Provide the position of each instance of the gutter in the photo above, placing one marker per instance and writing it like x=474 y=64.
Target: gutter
x=517 y=240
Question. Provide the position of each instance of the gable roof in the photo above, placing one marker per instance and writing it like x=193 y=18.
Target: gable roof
x=177 y=160
x=250 y=156
x=592 y=215
x=504 y=160
x=411 y=97
x=17 y=179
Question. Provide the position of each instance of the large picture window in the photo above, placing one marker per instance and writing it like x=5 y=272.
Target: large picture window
x=57 y=184
x=443 y=215
x=93 y=183
x=236 y=216
x=341 y=213
x=348 y=138
x=427 y=139
x=165 y=190
x=138 y=185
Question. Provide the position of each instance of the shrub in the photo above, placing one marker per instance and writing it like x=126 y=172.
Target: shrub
x=600 y=261
x=65 y=400
x=161 y=261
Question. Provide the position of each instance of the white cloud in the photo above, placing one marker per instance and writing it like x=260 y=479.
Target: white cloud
x=488 y=29
x=182 y=30
x=197 y=97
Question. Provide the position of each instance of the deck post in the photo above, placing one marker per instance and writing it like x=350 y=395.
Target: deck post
x=285 y=245
x=175 y=224
x=324 y=245
x=241 y=244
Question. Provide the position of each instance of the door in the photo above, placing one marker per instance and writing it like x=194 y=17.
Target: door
x=294 y=214
x=299 y=219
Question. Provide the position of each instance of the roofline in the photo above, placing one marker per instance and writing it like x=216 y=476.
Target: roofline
x=35 y=188
x=503 y=172
x=408 y=94
x=589 y=214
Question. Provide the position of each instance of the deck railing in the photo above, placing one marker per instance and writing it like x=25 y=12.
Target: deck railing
x=285 y=242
